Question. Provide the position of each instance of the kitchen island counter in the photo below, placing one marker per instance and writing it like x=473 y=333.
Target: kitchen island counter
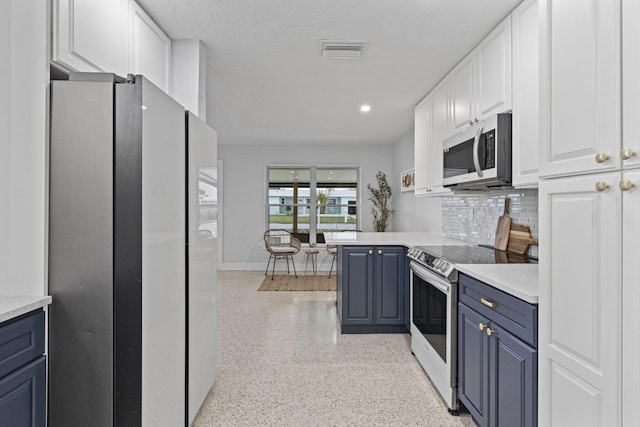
x=407 y=239
x=519 y=280
x=12 y=306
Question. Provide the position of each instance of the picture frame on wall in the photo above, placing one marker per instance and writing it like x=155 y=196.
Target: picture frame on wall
x=408 y=180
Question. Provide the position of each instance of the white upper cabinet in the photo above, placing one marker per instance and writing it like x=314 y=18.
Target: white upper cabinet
x=90 y=36
x=422 y=130
x=441 y=128
x=463 y=95
x=432 y=125
x=112 y=36
x=481 y=82
x=630 y=151
x=149 y=48
x=579 y=86
x=494 y=71
x=525 y=122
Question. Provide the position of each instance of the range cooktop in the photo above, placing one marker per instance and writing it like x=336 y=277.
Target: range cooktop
x=443 y=259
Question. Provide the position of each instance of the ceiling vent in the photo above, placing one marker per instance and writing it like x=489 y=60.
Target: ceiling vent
x=341 y=49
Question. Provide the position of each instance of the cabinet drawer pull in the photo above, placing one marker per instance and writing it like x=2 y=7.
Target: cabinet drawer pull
x=602 y=157
x=370 y=251
x=481 y=326
x=379 y=251
x=627 y=153
x=490 y=331
x=626 y=185
x=601 y=186
x=488 y=303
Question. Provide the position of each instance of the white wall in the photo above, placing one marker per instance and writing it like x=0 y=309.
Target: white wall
x=412 y=213
x=23 y=157
x=244 y=197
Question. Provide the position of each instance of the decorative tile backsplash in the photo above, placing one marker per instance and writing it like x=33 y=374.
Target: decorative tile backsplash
x=473 y=218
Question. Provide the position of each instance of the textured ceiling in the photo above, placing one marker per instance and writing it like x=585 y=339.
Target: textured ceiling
x=266 y=81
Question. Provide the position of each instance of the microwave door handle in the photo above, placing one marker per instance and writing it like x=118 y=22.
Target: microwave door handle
x=476 y=146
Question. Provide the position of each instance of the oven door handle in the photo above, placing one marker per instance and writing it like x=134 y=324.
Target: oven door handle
x=444 y=289
x=424 y=274
x=476 y=147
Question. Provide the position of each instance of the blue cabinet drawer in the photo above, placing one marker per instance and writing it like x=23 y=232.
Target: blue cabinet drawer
x=511 y=313
x=23 y=396
x=21 y=341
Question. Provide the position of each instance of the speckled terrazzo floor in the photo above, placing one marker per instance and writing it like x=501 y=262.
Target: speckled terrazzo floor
x=283 y=362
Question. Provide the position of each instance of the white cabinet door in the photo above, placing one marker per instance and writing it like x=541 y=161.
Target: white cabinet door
x=580 y=301
x=525 y=94
x=441 y=128
x=580 y=86
x=422 y=131
x=631 y=302
x=149 y=48
x=463 y=84
x=494 y=71
x=630 y=81
x=90 y=35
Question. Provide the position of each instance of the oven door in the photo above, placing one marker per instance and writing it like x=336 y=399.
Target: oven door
x=433 y=329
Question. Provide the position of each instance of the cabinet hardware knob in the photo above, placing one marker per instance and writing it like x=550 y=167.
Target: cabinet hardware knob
x=488 y=303
x=470 y=122
x=481 y=326
x=379 y=251
x=476 y=120
x=601 y=186
x=626 y=185
x=602 y=157
x=490 y=331
x=627 y=153
x=370 y=251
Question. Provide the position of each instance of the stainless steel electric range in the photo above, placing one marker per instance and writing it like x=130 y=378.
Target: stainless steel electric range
x=434 y=302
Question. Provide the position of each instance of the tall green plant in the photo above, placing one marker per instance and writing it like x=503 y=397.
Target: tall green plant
x=322 y=201
x=381 y=199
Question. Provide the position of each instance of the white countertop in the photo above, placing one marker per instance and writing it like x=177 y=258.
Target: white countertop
x=389 y=238
x=15 y=305
x=519 y=280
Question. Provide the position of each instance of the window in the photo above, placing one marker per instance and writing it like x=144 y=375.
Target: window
x=331 y=191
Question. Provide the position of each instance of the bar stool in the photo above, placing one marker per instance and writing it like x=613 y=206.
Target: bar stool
x=313 y=254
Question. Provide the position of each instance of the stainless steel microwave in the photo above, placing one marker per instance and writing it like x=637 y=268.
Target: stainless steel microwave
x=479 y=157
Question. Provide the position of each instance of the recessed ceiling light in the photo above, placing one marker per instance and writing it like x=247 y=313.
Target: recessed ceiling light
x=365 y=108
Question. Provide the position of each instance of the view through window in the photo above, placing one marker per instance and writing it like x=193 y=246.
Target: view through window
x=309 y=201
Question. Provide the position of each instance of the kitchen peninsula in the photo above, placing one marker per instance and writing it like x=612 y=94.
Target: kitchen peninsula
x=373 y=279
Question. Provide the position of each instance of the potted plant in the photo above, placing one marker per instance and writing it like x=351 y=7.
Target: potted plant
x=381 y=198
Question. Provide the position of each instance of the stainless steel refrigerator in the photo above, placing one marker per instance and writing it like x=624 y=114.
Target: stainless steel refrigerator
x=126 y=297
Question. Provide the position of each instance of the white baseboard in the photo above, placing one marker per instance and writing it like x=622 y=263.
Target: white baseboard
x=280 y=266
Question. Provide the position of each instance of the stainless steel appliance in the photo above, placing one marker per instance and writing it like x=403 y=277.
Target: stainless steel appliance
x=479 y=157
x=434 y=302
x=132 y=273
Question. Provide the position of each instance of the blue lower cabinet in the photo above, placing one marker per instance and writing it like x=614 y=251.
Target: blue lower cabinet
x=497 y=369
x=473 y=372
x=372 y=289
x=23 y=389
x=23 y=396
x=513 y=385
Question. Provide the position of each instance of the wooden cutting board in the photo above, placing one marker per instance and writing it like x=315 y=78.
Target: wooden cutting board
x=520 y=239
x=502 y=230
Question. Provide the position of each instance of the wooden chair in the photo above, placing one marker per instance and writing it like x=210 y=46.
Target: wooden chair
x=281 y=245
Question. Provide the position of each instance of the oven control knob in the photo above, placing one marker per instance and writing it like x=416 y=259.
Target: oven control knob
x=444 y=266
